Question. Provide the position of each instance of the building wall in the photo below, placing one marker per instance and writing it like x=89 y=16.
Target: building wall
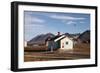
x=56 y=45
x=53 y=45
x=66 y=43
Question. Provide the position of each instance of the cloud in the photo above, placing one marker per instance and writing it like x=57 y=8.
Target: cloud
x=32 y=23
x=35 y=25
x=31 y=19
x=70 y=22
x=34 y=19
x=32 y=30
x=66 y=17
x=81 y=22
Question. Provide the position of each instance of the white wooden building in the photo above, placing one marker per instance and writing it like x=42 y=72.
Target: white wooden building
x=60 y=42
x=25 y=43
x=66 y=43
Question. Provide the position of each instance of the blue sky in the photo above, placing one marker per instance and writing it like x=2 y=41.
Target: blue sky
x=52 y=22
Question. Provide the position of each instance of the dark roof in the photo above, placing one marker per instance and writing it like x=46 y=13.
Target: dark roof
x=68 y=35
x=53 y=38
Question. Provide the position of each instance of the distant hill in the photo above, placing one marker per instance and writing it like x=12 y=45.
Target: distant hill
x=85 y=36
x=40 y=38
x=68 y=35
x=72 y=35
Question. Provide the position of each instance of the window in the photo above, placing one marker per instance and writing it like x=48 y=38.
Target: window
x=66 y=43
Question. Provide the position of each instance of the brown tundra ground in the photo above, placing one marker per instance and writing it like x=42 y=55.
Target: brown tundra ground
x=80 y=51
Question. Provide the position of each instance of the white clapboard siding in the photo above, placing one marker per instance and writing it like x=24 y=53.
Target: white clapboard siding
x=25 y=44
x=66 y=43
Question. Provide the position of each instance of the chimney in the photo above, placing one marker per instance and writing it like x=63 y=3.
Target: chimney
x=58 y=33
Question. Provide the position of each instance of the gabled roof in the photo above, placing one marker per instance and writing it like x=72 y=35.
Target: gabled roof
x=59 y=38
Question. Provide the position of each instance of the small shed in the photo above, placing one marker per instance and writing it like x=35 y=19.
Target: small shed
x=25 y=44
x=51 y=44
x=66 y=43
x=60 y=42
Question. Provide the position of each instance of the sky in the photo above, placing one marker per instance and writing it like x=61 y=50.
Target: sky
x=36 y=23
